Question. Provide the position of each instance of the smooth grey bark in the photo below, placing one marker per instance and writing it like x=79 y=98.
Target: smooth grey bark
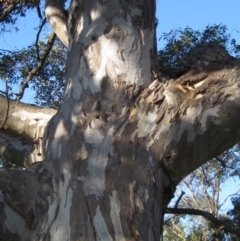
x=122 y=139
x=21 y=133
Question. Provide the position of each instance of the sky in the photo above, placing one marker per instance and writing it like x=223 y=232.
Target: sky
x=195 y=14
x=171 y=14
x=198 y=14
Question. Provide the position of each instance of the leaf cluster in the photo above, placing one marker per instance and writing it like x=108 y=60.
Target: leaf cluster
x=12 y=10
x=179 y=43
x=48 y=84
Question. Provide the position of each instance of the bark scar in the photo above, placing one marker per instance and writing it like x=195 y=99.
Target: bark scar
x=142 y=35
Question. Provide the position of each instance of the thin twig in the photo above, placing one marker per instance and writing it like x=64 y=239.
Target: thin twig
x=206 y=215
x=8 y=10
x=40 y=65
x=206 y=194
x=192 y=194
x=37 y=37
x=39 y=11
x=231 y=195
x=223 y=164
x=9 y=51
x=179 y=198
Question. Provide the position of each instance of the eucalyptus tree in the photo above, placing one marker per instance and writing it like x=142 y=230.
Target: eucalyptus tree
x=200 y=203
x=123 y=137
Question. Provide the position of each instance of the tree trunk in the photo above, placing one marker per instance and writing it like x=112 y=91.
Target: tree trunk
x=104 y=184
x=121 y=140
x=114 y=189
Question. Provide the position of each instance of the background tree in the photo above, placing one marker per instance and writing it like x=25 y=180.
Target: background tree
x=202 y=190
x=234 y=215
x=11 y=10
x=42 y=70
x=180 y=42
x=123 y=138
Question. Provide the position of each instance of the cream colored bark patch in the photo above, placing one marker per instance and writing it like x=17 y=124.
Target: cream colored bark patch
x=213 y=112
x=14 y=222
x=94 y=183
x=115 y=216
x=101 y=227
x=61 y=229
x=37 y=118
x=146 y=123
x=60 y=134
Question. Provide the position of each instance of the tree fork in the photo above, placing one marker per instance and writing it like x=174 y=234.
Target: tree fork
x=121 y=141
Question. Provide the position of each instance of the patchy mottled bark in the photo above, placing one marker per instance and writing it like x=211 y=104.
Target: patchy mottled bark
x=122 y=139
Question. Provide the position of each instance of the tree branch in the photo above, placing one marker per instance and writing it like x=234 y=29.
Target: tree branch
x=27 y=121
x=223 y=164
x=199 y=105
x=37 y=37
x=231 y=195
x=9 y=51
x=55 y=14
x=206 y=215
x=192 y=194
x=8 y=10
x=10 y=6
x=40 y=65
x=178 y=200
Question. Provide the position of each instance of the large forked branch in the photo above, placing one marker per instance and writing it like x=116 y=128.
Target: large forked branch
x=22 y=131
x=206 y=215
x=55 y=14
x=27 y=121
x=198 y=117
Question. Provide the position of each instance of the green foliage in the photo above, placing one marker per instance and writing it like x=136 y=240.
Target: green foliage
x=180 y=42
x=15 y=66
x=234 y=215
x=235 y=212
x=11 y=11
x=202 y=188
x=48 y=84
